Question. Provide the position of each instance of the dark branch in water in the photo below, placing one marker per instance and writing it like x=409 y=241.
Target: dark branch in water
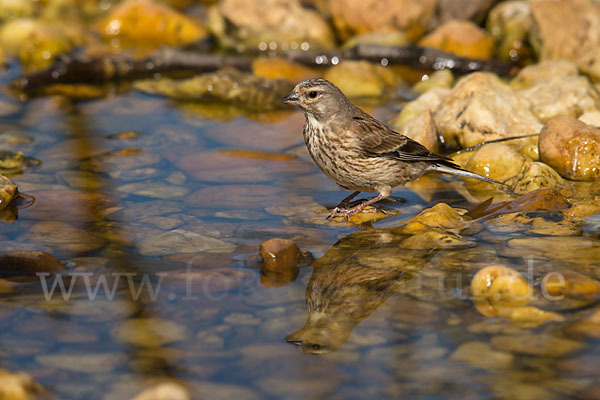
x=420 y=58
x=167 y=61
x=170 y=61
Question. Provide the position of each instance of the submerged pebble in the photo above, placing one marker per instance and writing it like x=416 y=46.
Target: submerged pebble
x=182 y=241
x=482 y=355
x=164 y=391
x=20 y=386
x=497 y=290
x=149 y=332
x=28 y=263
x=543 y=344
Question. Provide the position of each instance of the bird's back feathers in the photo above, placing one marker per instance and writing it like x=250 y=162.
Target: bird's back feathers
x=377 y=140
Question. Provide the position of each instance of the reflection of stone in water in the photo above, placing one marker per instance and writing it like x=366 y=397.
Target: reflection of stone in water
x=348 y=283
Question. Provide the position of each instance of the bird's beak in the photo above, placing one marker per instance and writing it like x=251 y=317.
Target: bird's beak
x=295 y=342
x=291 y=98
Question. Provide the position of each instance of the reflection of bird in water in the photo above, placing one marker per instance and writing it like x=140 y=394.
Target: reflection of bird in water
x=348 y=283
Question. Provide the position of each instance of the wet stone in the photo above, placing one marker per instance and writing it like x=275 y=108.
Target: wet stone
x=20 y=386
x=544 y=345
x=530 y=317
x=572 y=148
x=406 y=16
x=279 y=254
x=482 y=355
x=422 y=129
x=165 y=223
x=497 y=290
x=143 y=209
x=571 y=284
x=149 y=332
x=10 y=139
x=495 y=160
x=462 y=38
x=550 y=224
x=247 y=215
x=149 y=24
x=12 y=162
x=569 y=249
x=228 y=86
x=241 y=319
x=428 y=101
x=586 y=327
x=536 y=175
x=182 y=241
x=137 y=174
x=247 y=25
x=480 y=108
x=164 y=391
x=361 y=78
x=27 y=262
x=82 y=179
x=51 y=204
x=439 y=79
x=8 y=191
x=560 y=95
x=155 y=190
x=64 y=237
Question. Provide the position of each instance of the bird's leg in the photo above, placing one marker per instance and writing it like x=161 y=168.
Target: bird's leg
x=343 y=205
x=355 y=210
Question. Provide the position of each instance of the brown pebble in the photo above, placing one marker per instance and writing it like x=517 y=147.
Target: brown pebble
x=28 y=262
x=280 y=258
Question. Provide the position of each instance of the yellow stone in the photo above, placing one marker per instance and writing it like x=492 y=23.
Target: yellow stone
x=361 y=78
x=498 y=290
x=530 y=317
x=280 y=68
x=441 y=217
x=148 y=24
x=462 y=38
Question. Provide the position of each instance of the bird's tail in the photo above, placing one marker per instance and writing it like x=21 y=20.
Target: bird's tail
x=461 y=172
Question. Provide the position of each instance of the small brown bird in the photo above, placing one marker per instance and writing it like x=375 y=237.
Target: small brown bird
x=358 y=152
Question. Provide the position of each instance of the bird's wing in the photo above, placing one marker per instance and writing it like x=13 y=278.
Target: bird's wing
x=378 y=140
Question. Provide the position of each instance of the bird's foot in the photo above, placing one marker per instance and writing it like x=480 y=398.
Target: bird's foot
x=348 y=212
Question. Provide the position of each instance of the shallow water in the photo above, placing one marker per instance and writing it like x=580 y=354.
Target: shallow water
x=138 y=193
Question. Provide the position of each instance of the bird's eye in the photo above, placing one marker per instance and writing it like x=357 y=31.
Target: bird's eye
x=316 y=347
x=313 y=94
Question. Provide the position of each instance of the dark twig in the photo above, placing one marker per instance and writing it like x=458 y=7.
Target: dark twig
x=89 y=70
x=413 y=56
x=172 y=61
x=478 y=145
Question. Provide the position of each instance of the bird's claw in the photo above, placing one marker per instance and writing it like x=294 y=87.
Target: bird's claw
x=348 y=212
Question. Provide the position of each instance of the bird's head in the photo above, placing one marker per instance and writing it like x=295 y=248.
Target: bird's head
x=319 y=98
x=322 y=333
